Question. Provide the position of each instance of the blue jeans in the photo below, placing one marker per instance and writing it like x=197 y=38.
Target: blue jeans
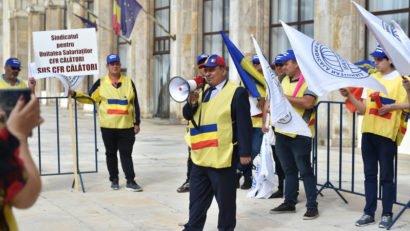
x=294 y=155
x=257 y=136
x=378 y=150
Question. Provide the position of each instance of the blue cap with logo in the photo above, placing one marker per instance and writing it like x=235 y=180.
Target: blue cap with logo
x=201 y=58
x=255 y=59
x=113 y=58
x=289 y=55
x=278 y=59
x=378 y=53
x=13 y=62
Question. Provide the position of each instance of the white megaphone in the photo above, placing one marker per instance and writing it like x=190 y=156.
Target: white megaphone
x=179 y=88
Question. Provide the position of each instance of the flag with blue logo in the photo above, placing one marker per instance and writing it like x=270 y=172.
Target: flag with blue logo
x=325 y=70
x=251 y=78
x=388 y=39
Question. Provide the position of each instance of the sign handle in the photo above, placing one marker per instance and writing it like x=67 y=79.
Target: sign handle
x=70 y=107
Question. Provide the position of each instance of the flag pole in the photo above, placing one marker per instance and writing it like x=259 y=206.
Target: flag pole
x=159 y=24
x=73 y=144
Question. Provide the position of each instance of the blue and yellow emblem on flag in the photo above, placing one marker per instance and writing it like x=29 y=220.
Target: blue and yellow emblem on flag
x=251 y=78
x=117 y=107
x=205 y=137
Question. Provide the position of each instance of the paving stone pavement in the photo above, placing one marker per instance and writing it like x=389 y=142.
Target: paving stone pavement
x=160 y=164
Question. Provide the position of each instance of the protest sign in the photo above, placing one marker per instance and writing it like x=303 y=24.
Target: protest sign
x=66 y=52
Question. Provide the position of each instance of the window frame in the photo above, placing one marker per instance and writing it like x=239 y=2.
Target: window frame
x=225 y=30
x=299 y=23
x=383 y=12
x=162 y=39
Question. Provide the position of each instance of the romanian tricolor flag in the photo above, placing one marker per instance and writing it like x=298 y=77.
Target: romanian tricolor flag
x=251 y=78
x=117 y=107
x=116 y=17
x=206 y=137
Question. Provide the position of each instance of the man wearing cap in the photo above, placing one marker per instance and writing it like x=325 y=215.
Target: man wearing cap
x=185 y=186
x=119 y=115
x=294 y=150
x=257 y=134
x=280 y=73
x=9 y=79
x=220 y=131
x=380 y=136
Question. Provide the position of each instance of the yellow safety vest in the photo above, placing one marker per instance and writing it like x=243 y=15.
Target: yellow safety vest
x=212 y=146
x=4 y=84
x=307 y=115
x=116 y=105
x=387 y=125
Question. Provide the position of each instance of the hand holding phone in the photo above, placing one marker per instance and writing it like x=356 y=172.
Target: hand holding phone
x=23 y=118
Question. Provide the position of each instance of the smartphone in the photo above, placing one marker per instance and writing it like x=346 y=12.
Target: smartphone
x=9 y=98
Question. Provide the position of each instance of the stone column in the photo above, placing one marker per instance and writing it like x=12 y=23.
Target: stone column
x=339 y=27
x=186 y=48
x=15 y=35
x=140 y=60
x=246 y=18
x=75 y=23
x=105 y=35
x=54 y=20
x=35 y=23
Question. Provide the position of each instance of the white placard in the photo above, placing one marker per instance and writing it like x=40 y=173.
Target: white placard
x=66 y=52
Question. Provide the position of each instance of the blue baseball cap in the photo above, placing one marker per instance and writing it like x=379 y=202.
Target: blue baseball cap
x=255 y=59
x=278 y=59
x=213 y=61
x=289 y=55
x=379 y=53
x=112 y=58
x=201 y=58
x=13 y=62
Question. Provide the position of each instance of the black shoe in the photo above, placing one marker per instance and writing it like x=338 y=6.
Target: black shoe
x=311 y=213
x=277 y=194
x=247 y=184
x=133 y=186
x=283 y=208
x=115 y=185
x=238 y=178
x=184 y=187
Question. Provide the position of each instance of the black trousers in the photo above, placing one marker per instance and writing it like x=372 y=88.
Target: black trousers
x=279 y=169
x=122 y=140
x=205 y=183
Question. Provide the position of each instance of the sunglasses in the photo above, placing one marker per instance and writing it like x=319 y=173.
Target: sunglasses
x=256 y=63
x=16 y=68
x=278 y=64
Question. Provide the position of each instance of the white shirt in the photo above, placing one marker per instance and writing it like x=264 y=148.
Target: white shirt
x=392 y=75
x=218 y=88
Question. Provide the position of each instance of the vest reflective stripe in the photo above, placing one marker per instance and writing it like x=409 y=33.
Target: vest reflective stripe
x=388 y=125
x=116 y=109
x=212 y=144
x=288 y=89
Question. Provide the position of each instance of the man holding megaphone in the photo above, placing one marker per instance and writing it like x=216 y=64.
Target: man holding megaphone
x=220 y=136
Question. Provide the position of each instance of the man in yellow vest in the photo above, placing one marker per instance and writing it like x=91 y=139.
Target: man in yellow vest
x=221 y=135
x=9 y=79
x=380 y=132
x=119 y=115
x=294 y=150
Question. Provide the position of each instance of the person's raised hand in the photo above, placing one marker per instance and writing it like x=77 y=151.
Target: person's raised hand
x=23 y=118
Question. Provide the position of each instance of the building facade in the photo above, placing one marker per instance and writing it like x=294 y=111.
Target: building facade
x=154 y=56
